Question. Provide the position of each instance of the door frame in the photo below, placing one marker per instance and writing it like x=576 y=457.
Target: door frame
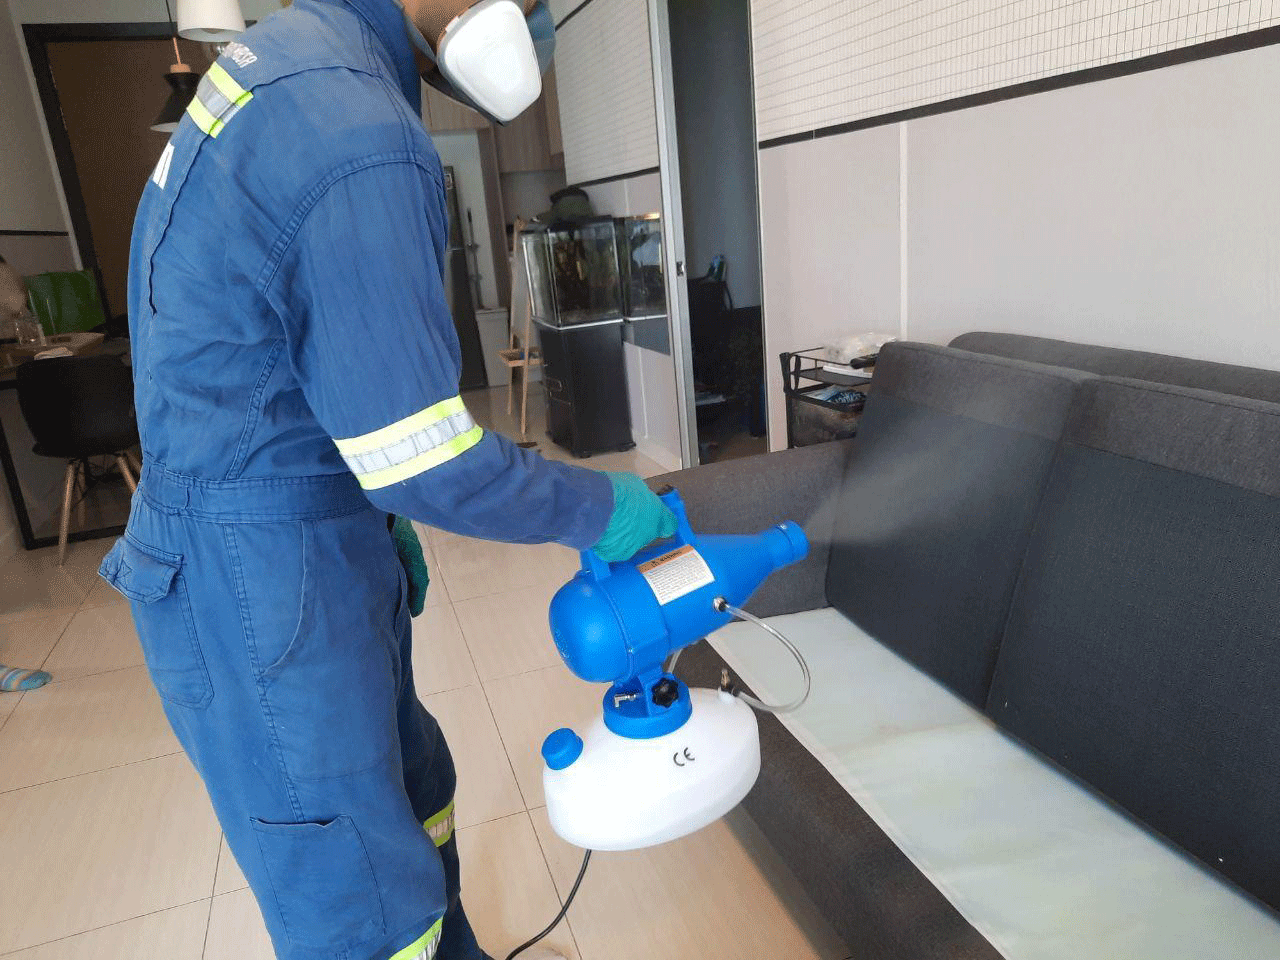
x=673 y=230
x=38 y=36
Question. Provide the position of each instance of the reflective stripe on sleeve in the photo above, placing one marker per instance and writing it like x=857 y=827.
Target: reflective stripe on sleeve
x=425 y=947
x=218 y=99
x=440 y=827
x=411 y=446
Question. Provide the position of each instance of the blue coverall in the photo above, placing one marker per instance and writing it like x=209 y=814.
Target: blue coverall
x=296 y=372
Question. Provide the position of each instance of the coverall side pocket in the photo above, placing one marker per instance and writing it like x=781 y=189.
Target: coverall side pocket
x=152 y=579
x=323 y=883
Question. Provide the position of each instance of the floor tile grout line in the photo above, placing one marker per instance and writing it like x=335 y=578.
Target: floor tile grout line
x=105 y=926
x=90 y=773
x=506 y=752
x=546 y=859
x=7 y=716
x=465 y=643
x=525 y=673
x=100 y=673
x=213 y=892
x=65 y=627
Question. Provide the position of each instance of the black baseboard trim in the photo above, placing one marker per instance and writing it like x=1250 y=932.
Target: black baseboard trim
x=1238 y=43
x=572 y=13
x=615 y=178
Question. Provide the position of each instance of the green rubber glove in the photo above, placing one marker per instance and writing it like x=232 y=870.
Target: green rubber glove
x=415 y=564
x=639 y=518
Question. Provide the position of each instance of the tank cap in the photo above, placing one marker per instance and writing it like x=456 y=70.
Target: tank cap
x=561 y=748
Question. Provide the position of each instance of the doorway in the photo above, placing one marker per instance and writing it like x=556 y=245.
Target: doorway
x=714 y=107
x=104 y=145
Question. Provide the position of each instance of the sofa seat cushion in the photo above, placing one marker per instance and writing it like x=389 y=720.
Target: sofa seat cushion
x=1039 y=865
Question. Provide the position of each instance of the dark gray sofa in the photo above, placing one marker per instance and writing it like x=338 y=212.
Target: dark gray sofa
x=1089 y=557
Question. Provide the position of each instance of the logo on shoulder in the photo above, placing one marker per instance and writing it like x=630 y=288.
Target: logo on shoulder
x=241 y=55
x=160 y=175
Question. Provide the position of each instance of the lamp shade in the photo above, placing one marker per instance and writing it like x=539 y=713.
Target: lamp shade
x=210 y=21
x=183 y=81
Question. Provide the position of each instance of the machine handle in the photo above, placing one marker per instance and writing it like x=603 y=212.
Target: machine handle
x=684 y=533
x=669 y=495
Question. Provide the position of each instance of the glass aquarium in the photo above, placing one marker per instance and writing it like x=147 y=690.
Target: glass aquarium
x=640 y=252
x=574 y=275
x=537 y=261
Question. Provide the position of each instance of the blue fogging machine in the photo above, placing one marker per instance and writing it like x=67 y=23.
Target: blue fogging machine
x=660 y=761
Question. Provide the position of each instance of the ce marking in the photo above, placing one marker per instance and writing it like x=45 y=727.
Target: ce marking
x=682 y=758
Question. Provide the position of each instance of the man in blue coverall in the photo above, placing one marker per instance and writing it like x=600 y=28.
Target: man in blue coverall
x=296 y=373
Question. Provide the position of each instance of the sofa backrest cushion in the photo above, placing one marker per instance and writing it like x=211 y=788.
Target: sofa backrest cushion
x=938 y=500
x=1131 y=364
x=1143 y=646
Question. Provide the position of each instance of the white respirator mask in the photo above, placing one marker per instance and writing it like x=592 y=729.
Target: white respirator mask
x=489 y=55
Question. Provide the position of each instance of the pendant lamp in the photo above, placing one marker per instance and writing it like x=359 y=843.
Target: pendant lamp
x=210 y=21
x=182 y=82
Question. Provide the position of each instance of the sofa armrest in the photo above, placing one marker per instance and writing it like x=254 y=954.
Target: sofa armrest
x=753 y=493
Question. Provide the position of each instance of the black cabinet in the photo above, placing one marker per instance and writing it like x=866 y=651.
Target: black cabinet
x=585 y=378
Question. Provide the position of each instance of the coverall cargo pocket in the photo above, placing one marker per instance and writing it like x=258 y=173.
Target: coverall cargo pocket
x=152 y=579
x=323 y=883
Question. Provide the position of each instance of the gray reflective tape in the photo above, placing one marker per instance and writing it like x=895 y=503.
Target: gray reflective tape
x=442 y=831
x=415 y=445
x=215 y=101
x=429 y=951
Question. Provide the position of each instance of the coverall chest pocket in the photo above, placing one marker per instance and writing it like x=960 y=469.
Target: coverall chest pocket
x=154 y=583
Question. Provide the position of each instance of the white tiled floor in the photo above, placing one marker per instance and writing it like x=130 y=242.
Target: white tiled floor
x=109 y=849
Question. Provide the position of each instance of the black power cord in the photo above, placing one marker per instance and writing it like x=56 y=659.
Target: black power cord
x=568 y=901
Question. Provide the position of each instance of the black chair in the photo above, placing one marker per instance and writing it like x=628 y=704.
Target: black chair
x=76 y=408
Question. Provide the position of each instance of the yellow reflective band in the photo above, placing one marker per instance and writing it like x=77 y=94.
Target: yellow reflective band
x=423 y=462
x=205 y=120
x=227 y=86
x=401 y=429
x=425 y=947
x=440 y=827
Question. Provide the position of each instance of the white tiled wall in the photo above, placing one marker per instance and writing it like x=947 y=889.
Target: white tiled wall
x=604 y=75
x=819 y=63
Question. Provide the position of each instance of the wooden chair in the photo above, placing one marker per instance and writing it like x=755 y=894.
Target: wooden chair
x=77 y=408
x=520 y=355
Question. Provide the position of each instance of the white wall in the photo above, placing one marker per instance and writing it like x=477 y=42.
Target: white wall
x=462 y=152
x=715 y=119
x=528 y=193
x=630 y=195
x=1140 y=212
x=829 y=216
x=28 y=194
x=1136 y=212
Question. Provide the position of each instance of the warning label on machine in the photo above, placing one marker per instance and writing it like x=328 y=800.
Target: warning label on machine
x=676 y=574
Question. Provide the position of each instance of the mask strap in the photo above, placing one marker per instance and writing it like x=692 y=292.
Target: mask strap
x=415 y=35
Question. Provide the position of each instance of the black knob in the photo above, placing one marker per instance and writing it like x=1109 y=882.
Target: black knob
x=666 y=692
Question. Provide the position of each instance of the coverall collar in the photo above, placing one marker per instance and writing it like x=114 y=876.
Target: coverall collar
x=386 y=18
